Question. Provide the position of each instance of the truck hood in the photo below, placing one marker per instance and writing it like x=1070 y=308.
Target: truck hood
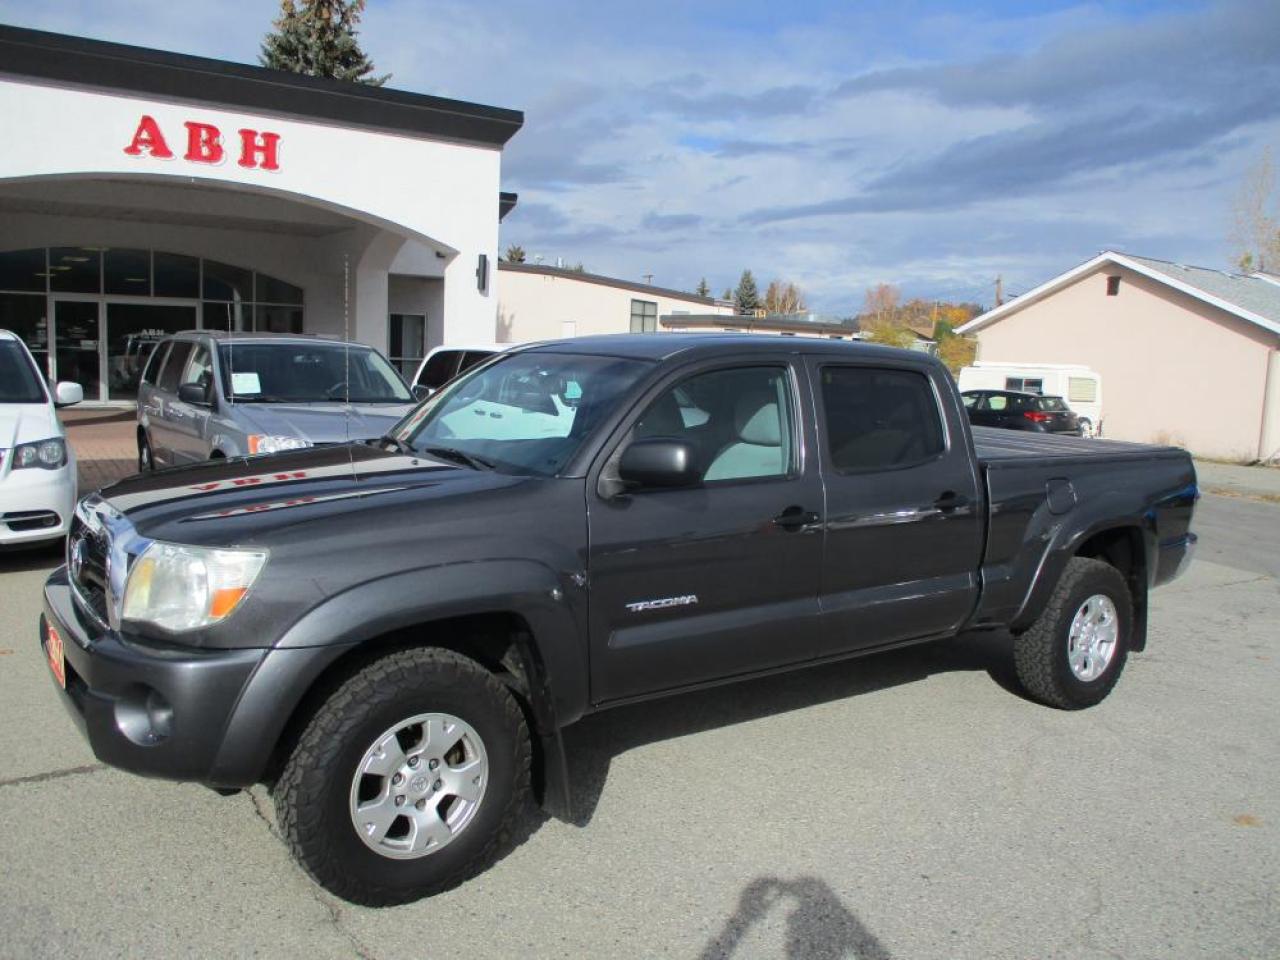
x=246 y=499
x=321 y=422
x=26 y=423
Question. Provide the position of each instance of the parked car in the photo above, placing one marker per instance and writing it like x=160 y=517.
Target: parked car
x=208 y=395
x=443 y=363
x=393 y=635
x=37 y=465
x=1079 y=386
x=1010 y=410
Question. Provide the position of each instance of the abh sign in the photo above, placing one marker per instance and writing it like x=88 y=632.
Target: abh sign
x=258 y=150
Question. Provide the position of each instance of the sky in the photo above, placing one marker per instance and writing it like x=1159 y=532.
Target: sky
x=836 y=145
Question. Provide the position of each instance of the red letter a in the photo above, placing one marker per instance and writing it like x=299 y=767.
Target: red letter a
x=149 y=138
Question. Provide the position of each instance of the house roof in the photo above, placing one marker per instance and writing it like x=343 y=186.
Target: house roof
x=58 y=58
x=1252 y=297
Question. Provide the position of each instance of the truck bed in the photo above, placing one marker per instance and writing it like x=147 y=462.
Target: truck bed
x=996 y=448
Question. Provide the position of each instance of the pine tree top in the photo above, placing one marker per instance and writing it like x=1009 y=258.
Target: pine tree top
x=317 y=38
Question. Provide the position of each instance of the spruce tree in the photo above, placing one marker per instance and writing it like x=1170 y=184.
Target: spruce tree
x=318 y=38
x=703 y=290
x=746 y=299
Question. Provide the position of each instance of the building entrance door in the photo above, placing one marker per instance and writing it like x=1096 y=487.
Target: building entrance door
x=76 y=344
x=133 y=330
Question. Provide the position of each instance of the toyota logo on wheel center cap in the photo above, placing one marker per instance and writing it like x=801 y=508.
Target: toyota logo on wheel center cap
x=418 y=783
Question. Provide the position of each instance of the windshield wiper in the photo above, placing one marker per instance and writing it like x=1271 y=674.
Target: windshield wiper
x=459 y=456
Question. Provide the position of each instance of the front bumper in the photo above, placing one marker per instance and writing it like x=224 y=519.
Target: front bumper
x=36 y=505
x=156 y=711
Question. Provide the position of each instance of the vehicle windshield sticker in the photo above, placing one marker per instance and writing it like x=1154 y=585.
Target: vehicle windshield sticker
x=245 y=383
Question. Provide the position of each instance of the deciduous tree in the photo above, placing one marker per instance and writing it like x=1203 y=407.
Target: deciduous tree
x=783 y=297
x=318 y=38
x=1255 y=234
x=881 y=301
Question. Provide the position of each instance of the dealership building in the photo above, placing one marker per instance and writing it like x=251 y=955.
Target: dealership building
x=143 y=192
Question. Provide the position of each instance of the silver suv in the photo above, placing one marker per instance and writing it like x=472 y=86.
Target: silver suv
x=206 y=395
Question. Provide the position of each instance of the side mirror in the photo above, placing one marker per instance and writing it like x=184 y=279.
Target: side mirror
x=658 y=462
x=421 y=391
x=65 y=394
x=193 y=393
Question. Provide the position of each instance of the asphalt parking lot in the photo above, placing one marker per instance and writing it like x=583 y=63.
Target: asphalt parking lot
x=907 y=805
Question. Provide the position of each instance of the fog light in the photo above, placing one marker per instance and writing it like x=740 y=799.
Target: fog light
x=144 y=716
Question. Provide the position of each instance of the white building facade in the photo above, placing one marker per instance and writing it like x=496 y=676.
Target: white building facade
x=143 y=192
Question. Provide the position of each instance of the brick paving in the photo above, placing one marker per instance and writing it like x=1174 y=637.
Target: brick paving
x=104 y=444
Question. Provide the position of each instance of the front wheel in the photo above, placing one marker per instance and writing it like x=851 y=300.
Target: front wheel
x=1073 y=654
x=409 y=779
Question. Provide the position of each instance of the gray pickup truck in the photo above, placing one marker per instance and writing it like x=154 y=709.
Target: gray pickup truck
x=392 y=635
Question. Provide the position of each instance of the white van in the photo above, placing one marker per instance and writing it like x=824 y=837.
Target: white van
x=1075 y=383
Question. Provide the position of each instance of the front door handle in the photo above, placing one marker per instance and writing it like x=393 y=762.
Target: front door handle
x=795 y=518
x=951 y=501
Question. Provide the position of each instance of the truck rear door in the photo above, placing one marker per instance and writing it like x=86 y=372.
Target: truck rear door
x=904 y=517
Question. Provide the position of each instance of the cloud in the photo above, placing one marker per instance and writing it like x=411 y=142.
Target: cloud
x=670 y=221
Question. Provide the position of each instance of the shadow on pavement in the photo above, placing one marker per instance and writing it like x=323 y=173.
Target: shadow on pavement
x=25 y=559
x=594 y=741
x=819 y=925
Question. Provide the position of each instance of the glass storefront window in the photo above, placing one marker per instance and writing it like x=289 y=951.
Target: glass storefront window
x=23 y=270
x=75 y=269
x=272 y=319
x=127 y=272
x=24 y=314
x=225 y=282
x=133 y=330
x=177 y=275
x=270 y=290
x=407 y=342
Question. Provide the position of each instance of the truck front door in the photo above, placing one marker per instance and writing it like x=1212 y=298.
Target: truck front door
x=904 y=523
x=705 y=582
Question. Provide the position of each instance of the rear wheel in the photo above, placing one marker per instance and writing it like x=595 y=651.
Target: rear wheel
x=1074 y=653
x=409 y=779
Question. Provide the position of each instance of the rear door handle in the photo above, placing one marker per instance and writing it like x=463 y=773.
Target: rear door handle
x=795 y=518
x=950 y=501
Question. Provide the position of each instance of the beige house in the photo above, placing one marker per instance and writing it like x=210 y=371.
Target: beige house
x=537 y=302
x=1187 y=355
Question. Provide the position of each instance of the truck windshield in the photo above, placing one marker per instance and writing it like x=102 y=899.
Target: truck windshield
x=527 y=412
x=290 y=372
x=19 y=382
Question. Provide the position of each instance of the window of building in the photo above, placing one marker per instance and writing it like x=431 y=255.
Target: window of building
x=407 y=342
x=1113 y=286
x=75 y=269
x=738 y=422
x=24 y=270
x=644 y=316
x=880 y=419
x=127 y=272
x=1025 y=384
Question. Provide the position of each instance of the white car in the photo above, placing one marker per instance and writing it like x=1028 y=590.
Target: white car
x=443 y=363
x=37 y=465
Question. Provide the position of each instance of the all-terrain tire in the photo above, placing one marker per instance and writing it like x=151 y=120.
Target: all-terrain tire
x=313 y=794
x=1041 y=654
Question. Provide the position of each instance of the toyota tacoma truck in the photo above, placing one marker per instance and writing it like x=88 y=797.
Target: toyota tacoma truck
x=392 y=635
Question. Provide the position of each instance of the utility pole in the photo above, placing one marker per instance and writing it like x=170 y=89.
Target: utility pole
x=648 y=279
x=999 y=290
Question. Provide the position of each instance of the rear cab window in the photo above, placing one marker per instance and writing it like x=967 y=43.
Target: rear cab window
x=440 y=369
x=880 y=419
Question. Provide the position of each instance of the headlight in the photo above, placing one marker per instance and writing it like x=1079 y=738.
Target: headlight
x=49 y=454
x=185 y=588
x=265 y=443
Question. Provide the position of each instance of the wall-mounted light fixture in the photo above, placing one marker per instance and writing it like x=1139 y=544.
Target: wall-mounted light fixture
x=482 y=273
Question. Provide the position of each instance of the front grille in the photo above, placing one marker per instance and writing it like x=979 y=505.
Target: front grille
x=88 y=549
x=24 y=520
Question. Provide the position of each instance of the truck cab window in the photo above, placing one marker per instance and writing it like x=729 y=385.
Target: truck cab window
x=879 y=419
x=738 y=421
